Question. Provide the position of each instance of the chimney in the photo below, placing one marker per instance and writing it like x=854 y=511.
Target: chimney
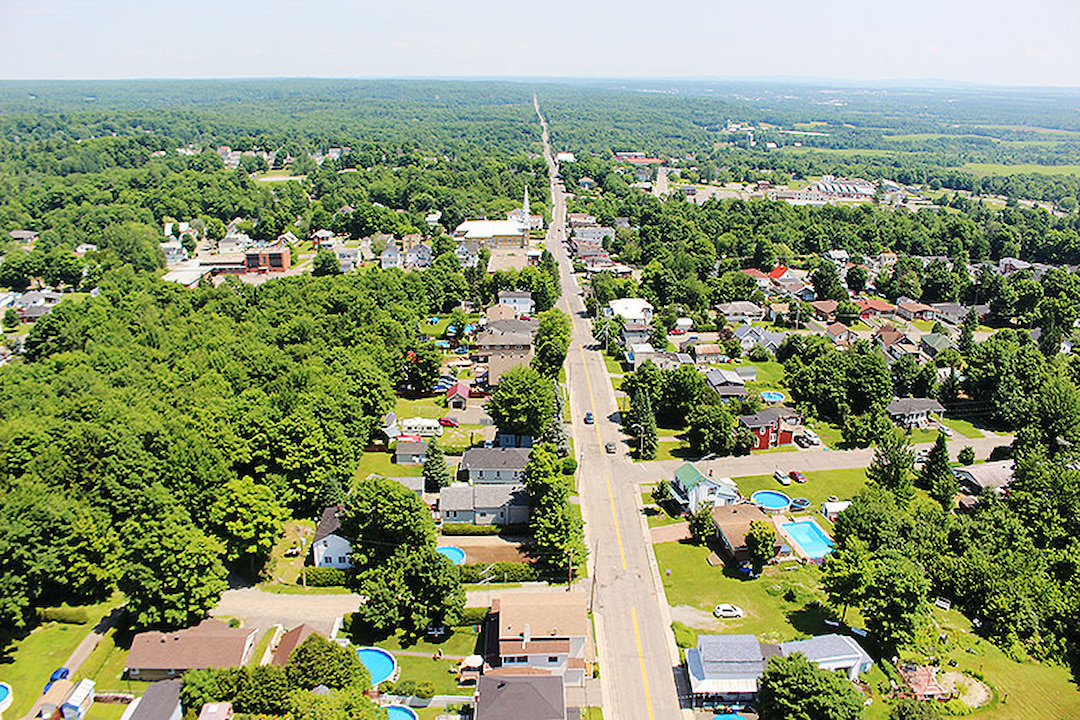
x=526 y=634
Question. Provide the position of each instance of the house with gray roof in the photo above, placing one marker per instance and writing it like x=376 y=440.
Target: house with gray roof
x=484 y=504
x=750 y=335
x=832 y=652
x=501 y=465
x=913 y=412
x=726 y=668
x=740 y=311
x=522 y=697
x=976 y=478
x=726 y=383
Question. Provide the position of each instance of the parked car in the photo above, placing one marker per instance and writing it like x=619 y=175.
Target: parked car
x=727 y=610
x=945 y=430
x=802 y=441
x=811 y=436
x=609 y=448
x=589 y=418
x=60 y=673
x=449 y=422
x=676 y=331
x=781 y=478
x=797 y=476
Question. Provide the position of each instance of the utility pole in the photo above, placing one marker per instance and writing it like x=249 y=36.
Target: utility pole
x=570 y=571
x=596 y=569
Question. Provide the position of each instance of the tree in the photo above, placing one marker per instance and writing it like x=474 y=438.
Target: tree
x=171 y=572
x=523 y=403
x=966 y=456
x=761 y=543
x=895 y=601
x=325 y=263
x=826 y=281
x=382 y=515
x=262 y=690
x=845 y=575
x=710 y=429
x=11 y=319
x=909 y=709
x=892 y=466
x=847 y=312
x=649 y=441
x=436 y=473
x=794 y=688
x=856 y=278
x=966 y=342
x=318 y=661
x=135 y=244
x=422 y=366
x=92 y=559
x=249 y=518
x=904 y=372
x=662 y=492
x=701 y=524
x=551 y=342
x=936 y=476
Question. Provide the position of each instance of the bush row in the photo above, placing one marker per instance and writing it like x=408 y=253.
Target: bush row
x=500 y=572
x=326 y=577
x=68 y=615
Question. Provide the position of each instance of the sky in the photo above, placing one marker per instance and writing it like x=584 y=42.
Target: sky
x=993 y=42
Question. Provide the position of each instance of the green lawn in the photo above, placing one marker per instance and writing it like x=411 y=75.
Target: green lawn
x=429 y=407
x=260 y=648
x=655 y=515
x=105 y=666
x=614 y=367
x=819 y=485
x=924 y=325
x=963 y=427
x=668 y=450
x=999 y=169
x=439 y=672
x=290 y=589
x=830 y=434
x=777 y=449
x=103 y=711
x=592 y=713
x=26 y=663
x=382 y=463
x=770 y=373
x=463 y=641
x=287 y=569
x=775 y=604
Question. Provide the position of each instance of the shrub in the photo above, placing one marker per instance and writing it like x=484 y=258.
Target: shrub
x=472 y=616
x=954 y=707
x=325 y=577
x=499 y=572
x=684 y=636
x=966 y=455
x=404 y=687
x=469 y=529
x=66 y=615
x=425 y=689
x=758 y=353
x=569 y=466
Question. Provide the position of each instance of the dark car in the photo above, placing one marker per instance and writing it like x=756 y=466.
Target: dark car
x=588 y=418
x=60 y=673
x=609 y=448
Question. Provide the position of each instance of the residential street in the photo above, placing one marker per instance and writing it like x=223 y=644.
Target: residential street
x=637 y=653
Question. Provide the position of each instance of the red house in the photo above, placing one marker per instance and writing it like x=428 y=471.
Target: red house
x=274 y=258
x=457 y=396
x=874 y=308
x=771 y=427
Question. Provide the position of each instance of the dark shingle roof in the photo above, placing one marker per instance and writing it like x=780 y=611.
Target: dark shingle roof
x=328 y=523
x=526 y=697
x=495 y=459
x=159 y=701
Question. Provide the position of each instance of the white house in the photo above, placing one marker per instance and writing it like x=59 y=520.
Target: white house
x=638 y=353
x=503 y=465
x=632 y=310
x=521 y=301
x=692 y=490
x=832 y=652
x=391 y=257
x=740 y=311
x=330 y=550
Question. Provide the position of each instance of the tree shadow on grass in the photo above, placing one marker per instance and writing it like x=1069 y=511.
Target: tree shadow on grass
x=810 y=619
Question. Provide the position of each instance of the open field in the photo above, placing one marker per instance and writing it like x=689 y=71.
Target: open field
x=819 y=485
x=981 y=169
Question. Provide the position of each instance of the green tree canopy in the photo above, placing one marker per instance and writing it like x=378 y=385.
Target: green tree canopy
x=794 y=688
x=523 y=402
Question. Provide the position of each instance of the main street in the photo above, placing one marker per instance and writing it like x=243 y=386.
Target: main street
x=636 y=649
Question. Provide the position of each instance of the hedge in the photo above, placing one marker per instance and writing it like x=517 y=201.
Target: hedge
x=472 y=616
x=67 y=615
x=325 y=577
x=469 y=529
x=500 y=572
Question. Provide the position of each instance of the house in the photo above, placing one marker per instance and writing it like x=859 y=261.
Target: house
x=83 y=248
x=498 y=312
x=161 y=701
x=503 y=465
x=520 y=300
x=391 y=257
x=772 y=427
x=761 y=279
x=414 y=483
x=595 y=233
x=541 y=633
x=418 y=256
x=348 y=258
x=457 y=396
x=274 y=258
x=915 y=311
x=329 y=548
x=216 y=711
x=499 y=363
x=632 y=310
x=832 y=652
x=692 y=489
x=831 y=509
x=954 y=313
x=732 y=523
x=887 y=336
x=25 y=237
x=751 y=335
x=289 y=641
x=798 y=290
x=638 y=353
x=781 y=273
x=635 y=333
x=740 y=311
x=874 y=307
x=913 y=412
x=492 y=233
x=174 y=251
x=424 y=427
x=586 y=183
x=410 y=453
x=777 y=312
x=725 y=668
x=824 y=309
x=484 y=504
x=503 y=336
x=840 y=334
x=521 y=697
x=976 y=478
x=726 y=383
x=934 y=343
x=576 y=220
x=210 y=644
x=78 y=701
x=708 y=354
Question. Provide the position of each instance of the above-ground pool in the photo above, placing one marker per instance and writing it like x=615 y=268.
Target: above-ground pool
x=400 y=712
x=799 y=503
x=772 y=396
x=378 y=662
x=771 y=500
x=5 y=697
x=809 y=536
x=455 y=554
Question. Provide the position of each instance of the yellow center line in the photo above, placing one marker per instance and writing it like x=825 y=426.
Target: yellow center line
x=641 y=661
x=607 y=477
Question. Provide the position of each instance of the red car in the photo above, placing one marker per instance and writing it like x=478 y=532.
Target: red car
x=797 y=476
x=449 y=422
x=676 y=331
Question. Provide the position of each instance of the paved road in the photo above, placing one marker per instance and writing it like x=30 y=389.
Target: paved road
x=637 y=653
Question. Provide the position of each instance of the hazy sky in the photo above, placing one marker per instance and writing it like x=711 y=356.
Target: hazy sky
x=1036 y=42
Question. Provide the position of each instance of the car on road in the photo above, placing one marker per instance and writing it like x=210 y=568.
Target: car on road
x=729 y=611
x=589 y=418
x=60 y=673
x=811 y=436
x=797 y=476
x=609 y=448
x=676 y=331
x=945 y=430
x=449 y=422
x=781 y=478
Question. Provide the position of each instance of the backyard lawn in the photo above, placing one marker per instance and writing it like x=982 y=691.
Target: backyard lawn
x=106 y=711
x=287 y=569
x=382 y=463
x=655 y=515
x=429 y=407
x=769 y=373
x=105 y=666
x=963 y=427
x=819 y=485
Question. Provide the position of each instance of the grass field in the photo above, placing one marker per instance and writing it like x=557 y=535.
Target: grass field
x=981 y=169
x=463 y=641
x=655 y=515
x=963 y=427
x=260 y=648
x=770 y=374
x=103 y=711
x=382 y=463
x=105 y=666
x=819 y=485
x=287 y=569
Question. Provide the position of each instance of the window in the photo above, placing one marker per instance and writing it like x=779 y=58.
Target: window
x=342 y=560
x=515 y=659
x=553 y=659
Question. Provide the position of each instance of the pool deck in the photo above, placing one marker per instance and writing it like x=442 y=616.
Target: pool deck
x=781 y=519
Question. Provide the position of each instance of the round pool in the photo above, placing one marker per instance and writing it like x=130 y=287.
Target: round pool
x=400 y=712
x=771 y=500
x=455 y=554
x=799 y=503
x=379 y=663
x=772 y=396
x=5 y=697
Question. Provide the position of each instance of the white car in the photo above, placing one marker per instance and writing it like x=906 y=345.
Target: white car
x=811 y=436
x=729 y=611
x=945 y=430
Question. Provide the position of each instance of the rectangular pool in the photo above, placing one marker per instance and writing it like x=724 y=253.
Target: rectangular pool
x=810 y=537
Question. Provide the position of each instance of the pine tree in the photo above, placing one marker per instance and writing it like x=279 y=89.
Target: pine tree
x=966 y=342
x=937 y=477
x=436 y=473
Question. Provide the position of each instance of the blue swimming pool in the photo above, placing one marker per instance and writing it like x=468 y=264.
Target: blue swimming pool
x=379 y=663
x=5 y=697
x=456 y=554
x=400 y=712
x=771 y=500
x=810 y=537
x=772 y=396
